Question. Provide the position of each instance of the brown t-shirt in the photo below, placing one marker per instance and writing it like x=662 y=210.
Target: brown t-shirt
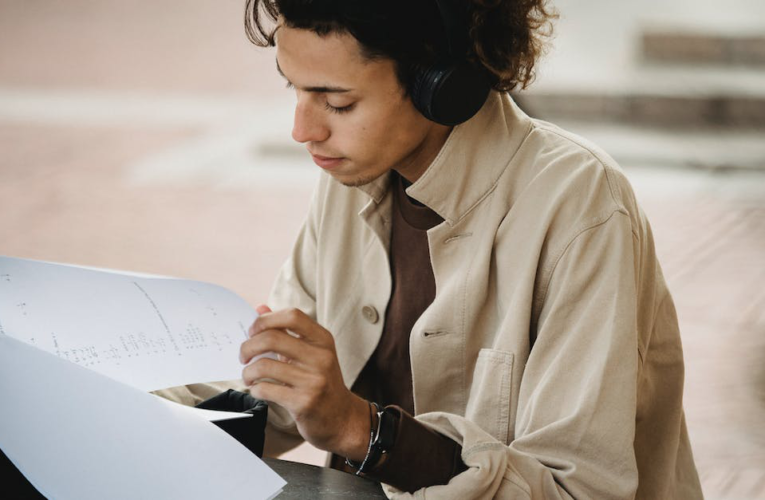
x=420 y=456
x=413 y=290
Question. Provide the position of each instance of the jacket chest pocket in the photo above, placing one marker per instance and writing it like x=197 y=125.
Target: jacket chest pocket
x=490 y=393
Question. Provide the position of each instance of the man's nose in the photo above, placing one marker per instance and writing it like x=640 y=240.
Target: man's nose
x=309 y=124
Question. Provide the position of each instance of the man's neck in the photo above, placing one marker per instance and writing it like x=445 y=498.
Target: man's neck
x=419 y=161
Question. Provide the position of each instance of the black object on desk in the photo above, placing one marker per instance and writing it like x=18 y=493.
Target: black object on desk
x=303 y=480
x=14 y=484
x=250 y=431
x=308 y=481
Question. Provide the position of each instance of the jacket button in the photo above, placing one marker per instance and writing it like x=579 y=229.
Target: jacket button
x=370 y=314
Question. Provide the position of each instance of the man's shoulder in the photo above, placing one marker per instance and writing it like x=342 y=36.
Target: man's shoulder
x=562 y=171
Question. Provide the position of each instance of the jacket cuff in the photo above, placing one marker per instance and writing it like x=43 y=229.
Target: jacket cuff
x=420 y=457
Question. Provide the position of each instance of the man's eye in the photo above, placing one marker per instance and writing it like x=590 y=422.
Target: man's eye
x=339 y=110
x=289 y=85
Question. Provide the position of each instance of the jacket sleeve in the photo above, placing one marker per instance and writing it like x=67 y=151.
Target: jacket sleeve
x=575 y=422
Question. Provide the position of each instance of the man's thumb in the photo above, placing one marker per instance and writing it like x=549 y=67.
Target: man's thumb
x=262 y=309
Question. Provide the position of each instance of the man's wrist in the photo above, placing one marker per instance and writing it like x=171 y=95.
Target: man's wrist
x=354 y=441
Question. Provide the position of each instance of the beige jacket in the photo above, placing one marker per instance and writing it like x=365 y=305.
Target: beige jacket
x=551 y=351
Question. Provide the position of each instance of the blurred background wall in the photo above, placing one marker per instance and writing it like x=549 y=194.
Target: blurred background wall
x=151 y=136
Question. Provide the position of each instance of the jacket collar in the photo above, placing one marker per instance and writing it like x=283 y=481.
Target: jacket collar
x=470 y=162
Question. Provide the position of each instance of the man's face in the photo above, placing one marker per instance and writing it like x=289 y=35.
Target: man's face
x=352 y=113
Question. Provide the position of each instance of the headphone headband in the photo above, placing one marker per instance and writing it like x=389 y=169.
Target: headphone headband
x=455 y=28
x=452 y=90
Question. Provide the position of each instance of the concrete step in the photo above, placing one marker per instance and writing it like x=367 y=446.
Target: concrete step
x=719 y=149
x=705 y=47
x=661 y=110
x=657 y=95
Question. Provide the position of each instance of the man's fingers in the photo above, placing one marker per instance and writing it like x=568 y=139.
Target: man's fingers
x=277 y=341
x=294 y=320
x=276 y=393
x=272 y=370
x=262 y=309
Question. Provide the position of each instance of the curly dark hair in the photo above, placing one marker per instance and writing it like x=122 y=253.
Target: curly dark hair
x=507 y=36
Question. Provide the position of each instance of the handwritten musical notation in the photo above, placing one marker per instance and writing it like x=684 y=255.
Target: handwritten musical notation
x=150 y=332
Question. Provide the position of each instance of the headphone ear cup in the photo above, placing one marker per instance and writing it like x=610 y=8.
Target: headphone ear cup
x=449 y=93
x=421 y=90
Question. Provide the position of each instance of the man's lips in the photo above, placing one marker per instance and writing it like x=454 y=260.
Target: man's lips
x=326 y=162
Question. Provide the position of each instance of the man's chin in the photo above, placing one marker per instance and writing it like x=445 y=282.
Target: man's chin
x=356 y=181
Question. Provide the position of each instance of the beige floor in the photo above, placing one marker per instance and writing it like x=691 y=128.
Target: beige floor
x=119 y=148
x=711 y=241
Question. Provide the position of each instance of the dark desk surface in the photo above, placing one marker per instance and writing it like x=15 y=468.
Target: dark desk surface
x=308 y=481
x=303 y=481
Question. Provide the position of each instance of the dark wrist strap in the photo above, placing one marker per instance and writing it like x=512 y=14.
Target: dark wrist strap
x=381 y=439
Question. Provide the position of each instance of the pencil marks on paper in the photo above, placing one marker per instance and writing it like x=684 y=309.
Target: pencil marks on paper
x=121 y=324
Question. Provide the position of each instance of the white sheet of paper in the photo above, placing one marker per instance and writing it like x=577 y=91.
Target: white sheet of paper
x=76 y=434
x=150 y=333
x=209 y=415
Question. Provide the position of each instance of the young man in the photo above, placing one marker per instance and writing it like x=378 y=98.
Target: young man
x=476 y=309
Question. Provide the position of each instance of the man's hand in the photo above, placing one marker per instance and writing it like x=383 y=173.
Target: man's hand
x=306 y=380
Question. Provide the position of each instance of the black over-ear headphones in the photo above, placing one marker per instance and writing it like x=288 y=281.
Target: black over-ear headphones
x=452 y=90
